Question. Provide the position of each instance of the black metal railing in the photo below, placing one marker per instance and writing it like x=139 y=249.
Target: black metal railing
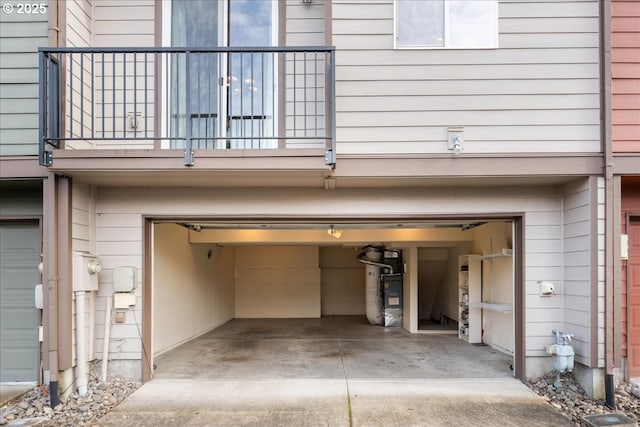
x=187 y=98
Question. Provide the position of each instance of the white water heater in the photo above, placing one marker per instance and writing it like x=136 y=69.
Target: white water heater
x=373 y=297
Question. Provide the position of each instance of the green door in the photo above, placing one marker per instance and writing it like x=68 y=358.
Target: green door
x=19 y=258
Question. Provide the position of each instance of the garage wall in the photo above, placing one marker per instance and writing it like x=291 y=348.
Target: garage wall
x=277 y=282
x=119 y=243
x=497 y=283
x=577 y=263
x=342 y=281
x=122 y=209
x=192 y=289
x=83 y=240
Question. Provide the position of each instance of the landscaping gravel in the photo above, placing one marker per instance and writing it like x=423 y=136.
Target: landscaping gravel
x=32 y=408
x=571 y=399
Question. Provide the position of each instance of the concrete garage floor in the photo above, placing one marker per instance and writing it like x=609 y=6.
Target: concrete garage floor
x=328 y=348
x=333 y=371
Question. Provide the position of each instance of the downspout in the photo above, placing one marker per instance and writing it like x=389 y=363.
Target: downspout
x=605 y=129
x=51 y=287
x=49 y=241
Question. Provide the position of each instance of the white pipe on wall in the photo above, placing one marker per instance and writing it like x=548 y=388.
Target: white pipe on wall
x=81 y=352
x=105 y=341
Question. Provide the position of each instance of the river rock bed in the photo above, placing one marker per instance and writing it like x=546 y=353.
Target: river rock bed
x=571 y=399
x=75 y=411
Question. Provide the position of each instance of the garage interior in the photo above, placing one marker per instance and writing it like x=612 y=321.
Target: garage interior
x=289 y=300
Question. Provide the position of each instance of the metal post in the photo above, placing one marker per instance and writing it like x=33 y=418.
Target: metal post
x=330 y=156
x=188 y=149
x=43 y=109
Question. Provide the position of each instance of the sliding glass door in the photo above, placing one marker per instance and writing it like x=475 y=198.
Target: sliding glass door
x=223 y=99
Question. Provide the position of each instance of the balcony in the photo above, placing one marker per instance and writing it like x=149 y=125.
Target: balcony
x=195 y=104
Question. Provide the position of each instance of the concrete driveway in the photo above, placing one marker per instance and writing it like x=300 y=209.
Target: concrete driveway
x=334 y=371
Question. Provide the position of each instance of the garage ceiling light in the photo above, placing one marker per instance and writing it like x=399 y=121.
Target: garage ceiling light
x=334 y=232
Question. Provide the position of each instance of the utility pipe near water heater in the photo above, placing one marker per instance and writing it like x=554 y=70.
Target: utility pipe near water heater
x=371 y=257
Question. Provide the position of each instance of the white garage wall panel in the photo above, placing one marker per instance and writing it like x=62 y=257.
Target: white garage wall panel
x=192 y=290
x=277 y=282
x=342 y=280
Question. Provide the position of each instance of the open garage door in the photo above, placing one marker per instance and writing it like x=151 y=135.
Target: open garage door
x=207 y=273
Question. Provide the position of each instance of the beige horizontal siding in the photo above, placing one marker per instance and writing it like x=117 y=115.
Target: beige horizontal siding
x=20 y=37
x=79 y=33
x=544 y=76
x=577 y=258
x=79 y=21
x=130 y=23
x=465 y=87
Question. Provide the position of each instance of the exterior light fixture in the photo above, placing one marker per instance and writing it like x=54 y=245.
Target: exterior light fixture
x=455 y=139
x=334 y=232
x=457 y=144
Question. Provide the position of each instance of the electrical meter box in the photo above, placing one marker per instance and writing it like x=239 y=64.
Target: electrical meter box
x=85 y=272
x=124 y=279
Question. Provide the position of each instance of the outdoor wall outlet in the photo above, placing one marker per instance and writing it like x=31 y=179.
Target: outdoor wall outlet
x=124 y=300
x=547 y=289
x=133 y=121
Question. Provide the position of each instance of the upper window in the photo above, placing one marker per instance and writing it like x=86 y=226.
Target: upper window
x=446 y=24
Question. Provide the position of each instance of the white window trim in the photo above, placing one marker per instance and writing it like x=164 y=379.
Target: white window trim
x=495 y=44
